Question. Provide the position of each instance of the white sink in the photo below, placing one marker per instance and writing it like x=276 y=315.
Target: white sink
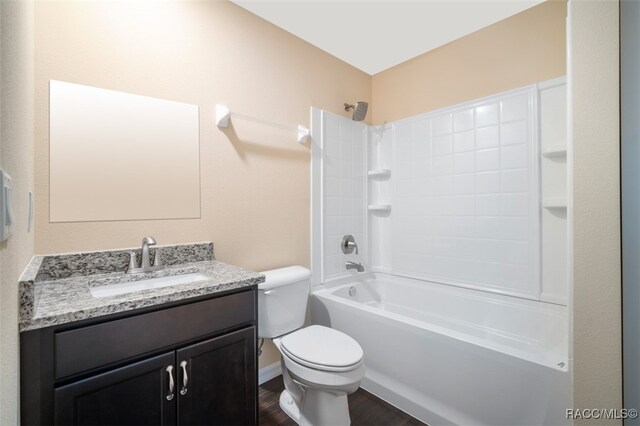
x=123 y=288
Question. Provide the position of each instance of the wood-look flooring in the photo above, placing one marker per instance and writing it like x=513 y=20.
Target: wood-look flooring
x=364 y=409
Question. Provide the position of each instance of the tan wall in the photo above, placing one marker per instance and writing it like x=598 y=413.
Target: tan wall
x=526 y=48
x=254 y=180
x=597 y=351
x=227 y=56
x=16 y=158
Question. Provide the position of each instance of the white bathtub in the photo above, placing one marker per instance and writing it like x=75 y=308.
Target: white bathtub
x=448 y=355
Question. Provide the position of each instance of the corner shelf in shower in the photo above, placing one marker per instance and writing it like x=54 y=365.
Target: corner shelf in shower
x=379 y=208
x=379 y=174
x=554 y=204
x=555 y=153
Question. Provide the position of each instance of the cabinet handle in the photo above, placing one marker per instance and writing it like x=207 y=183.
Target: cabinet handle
x=169 y=370
x=185 y=378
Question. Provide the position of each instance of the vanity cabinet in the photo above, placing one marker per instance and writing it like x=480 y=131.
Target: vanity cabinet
x=185 y=364
x=131 y=395
x=218 y=390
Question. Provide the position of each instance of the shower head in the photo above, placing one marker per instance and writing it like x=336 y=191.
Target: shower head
x=359 y=110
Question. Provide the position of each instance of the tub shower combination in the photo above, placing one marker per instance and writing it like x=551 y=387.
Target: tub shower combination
x=453 y=356
x=462 y=311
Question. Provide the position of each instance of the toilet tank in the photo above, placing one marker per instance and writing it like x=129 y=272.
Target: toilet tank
x=282 y=301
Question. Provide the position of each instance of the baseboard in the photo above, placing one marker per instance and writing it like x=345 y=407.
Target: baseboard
x=269 y=372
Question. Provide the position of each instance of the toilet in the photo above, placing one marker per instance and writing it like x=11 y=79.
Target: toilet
x=320 y=365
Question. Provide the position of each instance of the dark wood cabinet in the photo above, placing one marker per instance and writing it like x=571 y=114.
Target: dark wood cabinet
x=186 y=364
x=131 y=395
x=214 y=383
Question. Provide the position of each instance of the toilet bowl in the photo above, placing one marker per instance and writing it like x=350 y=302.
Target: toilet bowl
x=316 y=383
x=320 y=365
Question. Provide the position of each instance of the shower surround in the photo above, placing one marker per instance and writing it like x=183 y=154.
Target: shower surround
x=469 y=202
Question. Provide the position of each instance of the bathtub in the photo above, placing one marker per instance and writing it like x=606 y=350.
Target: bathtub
x=448 y=355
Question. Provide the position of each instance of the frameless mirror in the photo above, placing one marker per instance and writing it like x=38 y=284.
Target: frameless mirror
x=118 y=156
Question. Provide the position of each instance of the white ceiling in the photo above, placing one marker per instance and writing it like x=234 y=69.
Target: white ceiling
x=374 y=35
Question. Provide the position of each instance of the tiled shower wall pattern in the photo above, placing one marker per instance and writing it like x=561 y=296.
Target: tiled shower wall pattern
x=343 y=177
x=465 y=205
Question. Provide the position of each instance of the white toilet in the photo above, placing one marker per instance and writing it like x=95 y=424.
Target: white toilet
x=320 y=366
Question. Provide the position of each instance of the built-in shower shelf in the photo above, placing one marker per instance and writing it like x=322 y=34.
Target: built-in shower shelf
x=554 y=204
x=555 y=153
x=379 y=174
x=379 y=207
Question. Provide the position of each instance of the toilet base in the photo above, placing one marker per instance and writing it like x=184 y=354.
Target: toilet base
x=319 y=408
x=289 y=406
x=317 y=398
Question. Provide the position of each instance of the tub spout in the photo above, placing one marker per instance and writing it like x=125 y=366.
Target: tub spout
x=353 y=265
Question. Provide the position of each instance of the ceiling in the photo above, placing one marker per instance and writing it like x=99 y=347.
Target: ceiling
x=374 y=35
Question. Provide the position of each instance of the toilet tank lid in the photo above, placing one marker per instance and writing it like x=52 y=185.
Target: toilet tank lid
x=284 y=276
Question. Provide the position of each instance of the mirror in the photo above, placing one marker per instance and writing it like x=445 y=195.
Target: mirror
x=118 y=156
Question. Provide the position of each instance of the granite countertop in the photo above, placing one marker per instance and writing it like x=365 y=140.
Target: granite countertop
x=49 y=296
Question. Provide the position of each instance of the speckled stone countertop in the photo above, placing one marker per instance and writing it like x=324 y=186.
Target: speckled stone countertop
x=55 y=290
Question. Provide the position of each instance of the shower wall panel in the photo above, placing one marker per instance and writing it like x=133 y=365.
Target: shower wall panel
x=343 y=191
x=466 y=195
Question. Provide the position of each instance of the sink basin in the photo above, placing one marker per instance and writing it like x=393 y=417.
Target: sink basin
x=123 y=288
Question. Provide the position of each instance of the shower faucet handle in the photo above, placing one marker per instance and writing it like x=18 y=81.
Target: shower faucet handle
x=349 y=244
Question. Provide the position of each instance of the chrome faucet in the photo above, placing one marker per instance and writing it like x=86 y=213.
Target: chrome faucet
x=353 y=265
x=146 y=242
x=145 y=263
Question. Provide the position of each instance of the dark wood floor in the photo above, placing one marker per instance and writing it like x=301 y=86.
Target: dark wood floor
x=364 y=408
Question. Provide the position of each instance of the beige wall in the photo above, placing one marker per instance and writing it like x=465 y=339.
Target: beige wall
x=16 y=158
x=597 y=351
x=255 y=180
x=526 y=48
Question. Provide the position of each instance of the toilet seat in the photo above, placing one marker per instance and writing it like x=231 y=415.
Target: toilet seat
x=322 y=348
x=347 y=381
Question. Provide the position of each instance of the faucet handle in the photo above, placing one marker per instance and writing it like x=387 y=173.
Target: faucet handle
x=132 y=261
x=348 y=244
x=156 y=258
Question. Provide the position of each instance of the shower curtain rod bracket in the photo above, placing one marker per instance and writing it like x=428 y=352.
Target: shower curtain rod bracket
x=303 y=134
x=223 y=113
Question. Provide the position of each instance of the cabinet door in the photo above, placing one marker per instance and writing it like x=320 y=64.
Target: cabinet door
x=219 y=387
x=138 y=394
